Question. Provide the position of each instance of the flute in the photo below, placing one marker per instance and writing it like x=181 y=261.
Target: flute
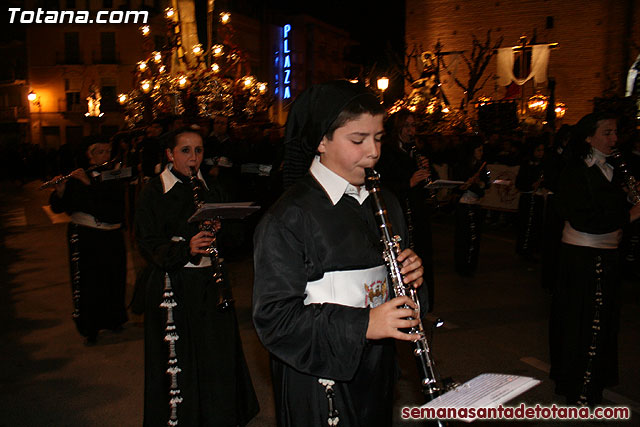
x=66 y=177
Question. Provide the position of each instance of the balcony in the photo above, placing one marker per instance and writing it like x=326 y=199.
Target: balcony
x=98 y=57
x=14 y=114
x=69 y=58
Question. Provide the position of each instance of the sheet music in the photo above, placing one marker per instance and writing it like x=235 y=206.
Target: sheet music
x=443 y=183
x=484 y=391
x=237 y=210
x=116 y=174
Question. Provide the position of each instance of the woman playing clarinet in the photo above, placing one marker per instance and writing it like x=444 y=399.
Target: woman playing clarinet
x=469 y=214
x=97 y=252
x=195 y=370
x=405 y=170
x=585 y=306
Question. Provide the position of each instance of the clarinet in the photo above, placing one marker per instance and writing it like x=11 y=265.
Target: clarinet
x=432 y=198
x=391 y=243
x=629 y=179
x=225 y=300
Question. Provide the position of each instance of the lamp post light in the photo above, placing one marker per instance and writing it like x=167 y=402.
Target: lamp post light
x=560 y=110
x=35 y=100
x=383 y=84
x=537 y=104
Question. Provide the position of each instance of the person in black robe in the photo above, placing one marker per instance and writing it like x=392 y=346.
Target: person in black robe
x=221 y=157
x=631 y=239
x=321 y=288
x=553 y=163
x=151 y=150
x=405 y=170
x=585 y=301
x=531 y=202
x=97 y=254
x=206 y=368
x=469 y=215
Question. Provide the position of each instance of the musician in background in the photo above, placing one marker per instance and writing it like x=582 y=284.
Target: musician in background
x=405 y=170
x=221 y=157
x=554 y=161
x=128 y=157
x=97 y=252
x=469 y=215
x=151 y=150
x=213 y=379
x=631 y=239
x=321 y=291
x=531 y=202
x=585 y=304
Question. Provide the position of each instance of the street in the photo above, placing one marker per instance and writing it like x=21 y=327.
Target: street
x=496 y=321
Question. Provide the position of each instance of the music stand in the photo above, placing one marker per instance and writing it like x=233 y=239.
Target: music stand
x=223 y=211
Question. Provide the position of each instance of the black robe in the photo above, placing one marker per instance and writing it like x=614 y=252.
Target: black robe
x=302 y=237
x=396 y=167
x=469 y=221
x=553 y=162
x=97 y=257
x=530 y=209
x=630 y=245
x=214 y=381
x=591 y=204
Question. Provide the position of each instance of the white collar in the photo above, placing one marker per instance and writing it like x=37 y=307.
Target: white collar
x=599 y=159
x=596 y=156
x=168 y=179
x=334 y=185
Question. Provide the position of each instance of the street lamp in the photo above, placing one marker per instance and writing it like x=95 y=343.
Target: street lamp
x=383 y=84
x=537 y=104
x=35 y=100
x=561 y=109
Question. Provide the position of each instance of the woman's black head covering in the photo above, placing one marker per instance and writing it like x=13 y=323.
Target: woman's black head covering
x=586 y=127
x=311 y=115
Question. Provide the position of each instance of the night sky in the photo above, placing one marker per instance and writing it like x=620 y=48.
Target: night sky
x=368 y=23
x=374 y=25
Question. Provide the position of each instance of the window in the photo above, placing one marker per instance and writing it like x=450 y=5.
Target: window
x=108 y=130
x=73 y=101
x=74 y=135
x=108 y=101
x=108 y=48
x=51 y=136
x=72 y=48
x=159 y=42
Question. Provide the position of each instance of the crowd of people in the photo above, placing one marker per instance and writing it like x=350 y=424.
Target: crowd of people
x=322 y=305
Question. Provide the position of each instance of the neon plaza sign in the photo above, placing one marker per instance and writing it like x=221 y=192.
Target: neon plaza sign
x=283 y=65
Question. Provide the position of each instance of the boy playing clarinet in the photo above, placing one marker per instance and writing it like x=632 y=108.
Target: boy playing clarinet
x=322 y=303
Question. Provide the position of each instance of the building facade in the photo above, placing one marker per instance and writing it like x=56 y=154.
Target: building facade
x=64 y=64
x=598 y=41
x=69 y=62
x=305 y=51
